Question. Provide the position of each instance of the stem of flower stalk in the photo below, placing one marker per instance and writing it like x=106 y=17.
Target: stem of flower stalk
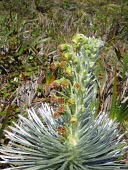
x=73 y=137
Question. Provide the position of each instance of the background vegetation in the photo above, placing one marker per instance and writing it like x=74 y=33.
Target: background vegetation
x=30 y=32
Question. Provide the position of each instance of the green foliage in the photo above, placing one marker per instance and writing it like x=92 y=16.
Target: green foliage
x=112 y=83
x=22 y=7
x=20 y=47
x=19 y=43
x=119 y=107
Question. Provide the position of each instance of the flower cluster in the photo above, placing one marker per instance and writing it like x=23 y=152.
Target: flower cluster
x=77 y=86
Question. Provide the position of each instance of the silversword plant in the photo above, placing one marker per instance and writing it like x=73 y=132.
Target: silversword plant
x=66 y=136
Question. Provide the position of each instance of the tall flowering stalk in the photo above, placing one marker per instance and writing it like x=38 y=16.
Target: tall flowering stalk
x=66 y=136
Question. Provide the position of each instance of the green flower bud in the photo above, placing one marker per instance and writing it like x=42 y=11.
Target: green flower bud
x=83 y=109
x=87 y=52
x=83 y=90
x=95 y=50
x=85 y=72
x=73 y=119
x=85 y=40
x=78 y=38
x=68 y=71
x=92 y=56
x=63 y=64
x=54 y=65
x=64 y=47
x=55 y=84
x=64 y=82
x=76 y=60
x=66 y=56
x=91 y=64
x=71 y=102
x=77 y=46
x=77 y=85
x=85 y=81
x=87 y=47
